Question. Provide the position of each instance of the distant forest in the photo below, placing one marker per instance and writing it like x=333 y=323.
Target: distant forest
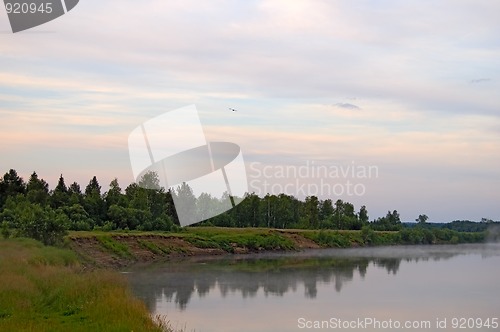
x=32 y=207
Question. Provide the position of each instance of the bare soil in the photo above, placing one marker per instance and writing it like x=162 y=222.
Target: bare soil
x=94 y=254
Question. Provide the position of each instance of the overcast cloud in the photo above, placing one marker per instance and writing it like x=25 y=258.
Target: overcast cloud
x=424 y=76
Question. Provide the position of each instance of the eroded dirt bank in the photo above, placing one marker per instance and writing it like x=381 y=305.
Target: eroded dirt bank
x=120 y=250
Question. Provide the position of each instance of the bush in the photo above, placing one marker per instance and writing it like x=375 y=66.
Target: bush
x=368 y=235
x=34 y=221
x=43 y=224
x=387 y=238
x=162 y=223
x=417 y=235
x=79 y=219
x=5 y=230
x=108 y=226
x=330 y=239
x=443 y=235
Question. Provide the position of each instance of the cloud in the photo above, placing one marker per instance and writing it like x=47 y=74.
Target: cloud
x=258 y=52
x=480 y=80
x=347 y=106
x=281 y=63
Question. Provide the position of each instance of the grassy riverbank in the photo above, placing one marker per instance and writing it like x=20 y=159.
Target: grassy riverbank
x=47 y=289
x=123 y=248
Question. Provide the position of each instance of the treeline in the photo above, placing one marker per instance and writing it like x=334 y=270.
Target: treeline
x=460 y=225
x=153 y=209
x=32 y=209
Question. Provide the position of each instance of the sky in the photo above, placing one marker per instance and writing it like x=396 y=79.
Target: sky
x=407 y=88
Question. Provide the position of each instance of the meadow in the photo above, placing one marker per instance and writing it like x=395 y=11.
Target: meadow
x=44 y=288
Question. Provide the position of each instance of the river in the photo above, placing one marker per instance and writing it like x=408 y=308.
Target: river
x=419 y=288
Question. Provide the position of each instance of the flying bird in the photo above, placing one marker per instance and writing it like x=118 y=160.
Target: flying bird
x=232 y=109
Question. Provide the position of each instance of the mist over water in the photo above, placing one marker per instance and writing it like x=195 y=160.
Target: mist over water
x=270 y=292
x=493 y=232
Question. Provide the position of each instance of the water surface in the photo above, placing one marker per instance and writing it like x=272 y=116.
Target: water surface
x=425 y=286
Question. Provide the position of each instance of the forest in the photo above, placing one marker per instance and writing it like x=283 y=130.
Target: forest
x=30 y=208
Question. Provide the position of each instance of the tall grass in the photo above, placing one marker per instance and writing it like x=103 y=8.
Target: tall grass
x=46 y=289
x=115 y=247
x=226 y=239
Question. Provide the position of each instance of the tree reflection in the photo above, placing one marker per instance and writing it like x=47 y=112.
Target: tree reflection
x=300 y=273
x=178 y=281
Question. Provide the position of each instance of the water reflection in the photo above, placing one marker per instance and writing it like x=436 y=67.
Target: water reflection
x=177 y=282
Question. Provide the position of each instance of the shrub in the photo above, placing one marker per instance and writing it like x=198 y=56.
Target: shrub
x=42 y=224
x=367 y=234
x=330 y=239
x=5 y=230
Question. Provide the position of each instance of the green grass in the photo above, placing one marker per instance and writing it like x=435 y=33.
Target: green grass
x=335 y=239
x=368 y=237
x=114 y=246
x=44 y=289
x=154 y=247
x=93 y=233
x=257 y=239
x=227 y=239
